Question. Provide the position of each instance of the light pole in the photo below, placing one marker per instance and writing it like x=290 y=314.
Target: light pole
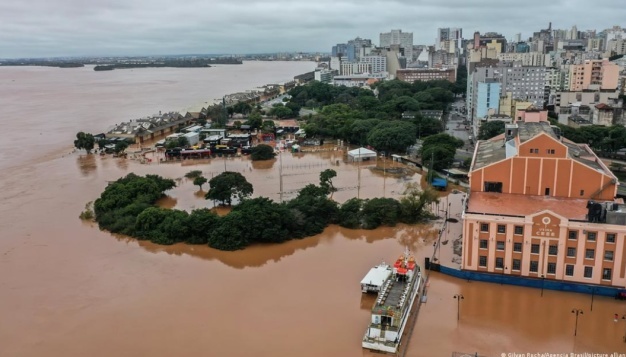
x=577 y=312
x=616 y=319
x=593 y=292
x=543 y=278
x=458 y=298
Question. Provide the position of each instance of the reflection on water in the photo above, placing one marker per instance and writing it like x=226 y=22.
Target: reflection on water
x=260 y=254
x=87 y=164
x=263 y=164
x=367 y=301
x=166 y=202
x=122 y=164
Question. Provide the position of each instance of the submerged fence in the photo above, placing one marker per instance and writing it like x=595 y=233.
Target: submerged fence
x=530 y=282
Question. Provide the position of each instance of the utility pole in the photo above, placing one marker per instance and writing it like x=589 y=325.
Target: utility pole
x=280 y=173
x=577 y=312
x=358 y=187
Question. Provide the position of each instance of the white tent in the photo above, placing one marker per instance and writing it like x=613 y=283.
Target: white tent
x=361 y=154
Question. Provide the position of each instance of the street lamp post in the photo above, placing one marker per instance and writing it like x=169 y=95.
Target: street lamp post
x=458 y=298
x=577 y=312
x=543 y=278
x=623 y=318
x=593 y=292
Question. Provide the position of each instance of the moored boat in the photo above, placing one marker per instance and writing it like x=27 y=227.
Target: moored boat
x=375 y=278
x=393 y=306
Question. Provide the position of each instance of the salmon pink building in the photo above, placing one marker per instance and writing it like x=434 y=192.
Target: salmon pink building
x=541 y=206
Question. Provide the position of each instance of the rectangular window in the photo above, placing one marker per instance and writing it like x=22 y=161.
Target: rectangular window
x=499 y=263
x=517 y=264
x=534 y=249
x=591 y=236
x=534 y=266
x=606 y=273
x=499 y=245
x=572 y=235
x=484 y=227
x=610 y=237
x=493 y=187
x=501 y=228
x=551 y=268
x=484 y=244
x=550 y=151
x=588 y=272
x=608 y=255
x=569 y=270
x=553 y=250
x=482 y=261
x=517 y=247
x=582 y=192
x=519 y=230
x=571 y=252
x=590 y=253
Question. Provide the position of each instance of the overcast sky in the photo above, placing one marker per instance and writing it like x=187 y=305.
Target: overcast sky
x=42 y=28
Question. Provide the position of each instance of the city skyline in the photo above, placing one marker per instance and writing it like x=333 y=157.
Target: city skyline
x=42 y=28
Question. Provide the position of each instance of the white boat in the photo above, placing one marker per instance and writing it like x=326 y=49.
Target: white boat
x=375 y=278
x=393 y=306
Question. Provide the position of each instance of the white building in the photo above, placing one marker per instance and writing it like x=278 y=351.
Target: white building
x=397 y=37
x=350 y=68
x=378 y=64
x=324 y=75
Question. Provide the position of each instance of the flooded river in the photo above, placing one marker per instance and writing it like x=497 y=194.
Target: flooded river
x=69 y=289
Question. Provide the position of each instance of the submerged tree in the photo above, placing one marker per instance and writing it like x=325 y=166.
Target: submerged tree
x=326 y=179
x=85 y=141
x=199 y=181
x=228 y=185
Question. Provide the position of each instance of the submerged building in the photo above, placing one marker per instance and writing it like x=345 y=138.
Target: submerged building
x=541 y=206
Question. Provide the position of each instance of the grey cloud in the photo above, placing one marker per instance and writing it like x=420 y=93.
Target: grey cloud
x=37 y=28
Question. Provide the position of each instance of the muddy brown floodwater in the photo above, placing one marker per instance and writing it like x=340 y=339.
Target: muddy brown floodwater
x=69 y=289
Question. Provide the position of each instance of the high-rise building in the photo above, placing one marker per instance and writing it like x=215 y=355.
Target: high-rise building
x=378 y=64
x=397 y=37
x=454 y=35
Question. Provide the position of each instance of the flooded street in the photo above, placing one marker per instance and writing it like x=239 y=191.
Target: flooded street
x=69 y=289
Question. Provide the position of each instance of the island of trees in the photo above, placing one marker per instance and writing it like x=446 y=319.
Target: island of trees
x=127 y=206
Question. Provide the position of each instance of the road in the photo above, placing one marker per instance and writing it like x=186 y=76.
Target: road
x=456 y=128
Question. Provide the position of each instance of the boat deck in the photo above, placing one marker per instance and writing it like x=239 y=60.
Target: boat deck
x=394 y=294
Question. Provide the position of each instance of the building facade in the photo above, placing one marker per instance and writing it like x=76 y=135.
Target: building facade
x=397 y=37
x=543 y=207
x=378 y=64
x=426 y=74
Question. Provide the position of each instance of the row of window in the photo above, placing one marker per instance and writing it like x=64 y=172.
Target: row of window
x=551 y=268
x=571 y=235
x=536 y=151
x=552 y=250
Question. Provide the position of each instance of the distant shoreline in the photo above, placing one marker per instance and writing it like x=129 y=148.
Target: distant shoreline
x=99 y=66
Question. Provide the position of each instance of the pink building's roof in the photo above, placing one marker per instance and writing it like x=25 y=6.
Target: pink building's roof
x=524 y=205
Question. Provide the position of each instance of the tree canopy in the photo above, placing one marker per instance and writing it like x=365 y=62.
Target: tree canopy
x=85 y=141
x=441 y=149
x=228 y=186
x=351 y=113
x=490 y=129
x=127 y=206
x=262 y=152
x=395 y=136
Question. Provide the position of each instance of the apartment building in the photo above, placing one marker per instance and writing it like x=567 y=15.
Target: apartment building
x=378 y=63
x=426 y=74
x=541 y=206
x=594 y=74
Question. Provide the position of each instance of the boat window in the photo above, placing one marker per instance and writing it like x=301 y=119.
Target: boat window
x=386 y=320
